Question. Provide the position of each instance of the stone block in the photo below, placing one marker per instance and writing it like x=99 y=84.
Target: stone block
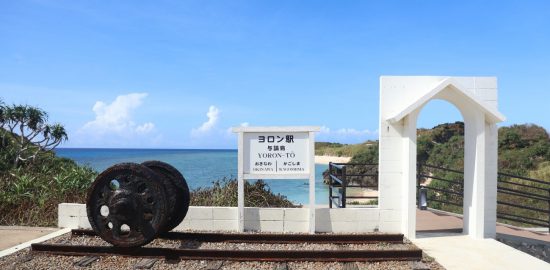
x=82 y=210
x=69 y=209
x=184 y=225
x=323 y=227
x=342 y=214
x=65 y=221
x=224 y=225
x=296 y=226
x=84 y=223
x=200 y=224
x=390 y=215
x=271 y=226
x=275 y=214
x=344 y=226
x=367 y=226
x=199 y=213
x=224 y=213
x=485 y=94
x=390 y=226
x=368 y=215
x=296 y=214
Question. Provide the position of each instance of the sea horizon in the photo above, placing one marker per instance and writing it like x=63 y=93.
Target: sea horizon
x=200 y=167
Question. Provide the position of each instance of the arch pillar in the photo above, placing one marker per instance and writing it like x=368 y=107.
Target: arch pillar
x=401 y=100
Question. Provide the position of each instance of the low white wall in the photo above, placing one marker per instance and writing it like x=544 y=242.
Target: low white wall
x=73 y=215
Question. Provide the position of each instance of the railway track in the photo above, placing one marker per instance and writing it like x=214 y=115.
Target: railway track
x=270 y=255
x=273 y=238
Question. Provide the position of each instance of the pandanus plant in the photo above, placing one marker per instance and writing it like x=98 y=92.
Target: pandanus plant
x=30 y=133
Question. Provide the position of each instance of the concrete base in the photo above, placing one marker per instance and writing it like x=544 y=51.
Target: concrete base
x=462 y=252
x=72 y=215
x=15 y=235
x=27 y=244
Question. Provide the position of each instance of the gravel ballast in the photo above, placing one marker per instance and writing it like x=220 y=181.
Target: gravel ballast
x=25 y=259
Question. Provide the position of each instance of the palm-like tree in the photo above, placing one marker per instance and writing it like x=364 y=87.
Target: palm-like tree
x=30 y=131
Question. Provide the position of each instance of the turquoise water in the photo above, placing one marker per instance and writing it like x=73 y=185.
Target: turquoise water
x=199 y=167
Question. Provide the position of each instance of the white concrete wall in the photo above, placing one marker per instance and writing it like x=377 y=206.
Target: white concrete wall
x=73 y=215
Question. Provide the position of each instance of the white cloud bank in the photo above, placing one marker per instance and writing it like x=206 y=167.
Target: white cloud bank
x=213 y=133
x=346 y=135
x=213 y=116
x=116 y=119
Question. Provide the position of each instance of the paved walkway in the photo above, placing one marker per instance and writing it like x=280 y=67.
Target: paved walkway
x=439 y=235
x=433 y=221
x=462 y=252
x=15 y=235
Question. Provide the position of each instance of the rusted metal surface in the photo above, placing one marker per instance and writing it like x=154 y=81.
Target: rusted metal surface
x=126 y=205
x=234 y=255
x=177 y=192
x=275 y=238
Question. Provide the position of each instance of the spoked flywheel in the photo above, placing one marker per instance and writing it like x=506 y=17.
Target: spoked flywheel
x=127 y=206
x=177 y=192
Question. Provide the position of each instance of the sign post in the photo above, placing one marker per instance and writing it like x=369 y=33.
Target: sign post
x=276 y=153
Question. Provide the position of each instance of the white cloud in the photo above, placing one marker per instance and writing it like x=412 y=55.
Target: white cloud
x=346 y=135
x=213 y=115
x=145 y=128
x=114 y=123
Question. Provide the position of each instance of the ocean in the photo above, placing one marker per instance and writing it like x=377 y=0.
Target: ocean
x=199 y=167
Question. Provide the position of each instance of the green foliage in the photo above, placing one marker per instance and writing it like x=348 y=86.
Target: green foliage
x=30 y=195
x=341 y=150
x=366 y=155
x=442 y=145
x=33 y=181
x=522 y=148
x=224 y=193
x=27 y=132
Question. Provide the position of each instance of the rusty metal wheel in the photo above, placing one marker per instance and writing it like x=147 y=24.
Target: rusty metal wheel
x=126 y=205
x=177 y=192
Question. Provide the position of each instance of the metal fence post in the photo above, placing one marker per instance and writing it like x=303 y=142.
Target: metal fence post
x=423 y=198
x=549 y=210
x=330 y=184
x=344 y=184
x=418 y=167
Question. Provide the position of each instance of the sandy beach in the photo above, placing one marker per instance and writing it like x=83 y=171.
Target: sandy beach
x=327 y=159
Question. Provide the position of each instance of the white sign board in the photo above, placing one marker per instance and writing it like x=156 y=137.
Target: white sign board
x=276 y=153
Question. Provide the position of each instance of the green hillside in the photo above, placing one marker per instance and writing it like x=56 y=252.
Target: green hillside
x=523 y=150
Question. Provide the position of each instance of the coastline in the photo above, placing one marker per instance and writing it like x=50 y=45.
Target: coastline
x=326 y=159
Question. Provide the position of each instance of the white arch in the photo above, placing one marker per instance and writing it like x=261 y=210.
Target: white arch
x=401 y=100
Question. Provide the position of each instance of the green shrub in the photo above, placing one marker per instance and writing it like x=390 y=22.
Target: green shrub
x=30 y=195
x=224 y=193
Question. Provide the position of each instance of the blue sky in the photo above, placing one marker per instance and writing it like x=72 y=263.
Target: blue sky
x=179 y=74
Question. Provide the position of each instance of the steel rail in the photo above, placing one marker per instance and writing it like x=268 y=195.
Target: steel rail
x=446 y=202
x=233 y=255
x=353 y=164
x=522 y=221
x=273 y=238
x=440 y=168
x=524 y=178
x=524 y=217
x=444 y=191
x=522 y=185
x=521 y=194
x=335 y=178
x=442 y=179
